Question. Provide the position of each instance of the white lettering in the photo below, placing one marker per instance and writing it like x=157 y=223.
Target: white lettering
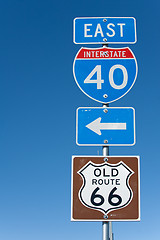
x=101 y=53
x=123 y=53
x=112 y=30
x=121 y=28
x=115 y=54
x=98 y=30
x=97 y=54
x=110 y=27
x=88 y=54
x=125 y=76
x=106 y=53
x=92 y=53
x=87 y=30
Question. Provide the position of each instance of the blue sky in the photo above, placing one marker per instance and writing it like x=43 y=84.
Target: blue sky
x=38 y=102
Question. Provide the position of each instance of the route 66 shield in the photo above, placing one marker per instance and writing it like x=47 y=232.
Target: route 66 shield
x=105 y=188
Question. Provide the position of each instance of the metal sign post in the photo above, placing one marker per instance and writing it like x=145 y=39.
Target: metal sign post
x=107 y=226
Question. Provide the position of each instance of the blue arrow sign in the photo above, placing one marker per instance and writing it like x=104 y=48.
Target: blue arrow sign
x=105 y=126
x=104 y=30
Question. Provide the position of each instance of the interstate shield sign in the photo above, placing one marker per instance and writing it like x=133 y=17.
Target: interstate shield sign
x=105 y=74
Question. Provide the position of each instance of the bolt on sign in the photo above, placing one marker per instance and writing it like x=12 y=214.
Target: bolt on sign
x=105 y=188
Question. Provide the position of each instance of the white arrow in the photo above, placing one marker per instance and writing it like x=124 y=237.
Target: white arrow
x=96 y=126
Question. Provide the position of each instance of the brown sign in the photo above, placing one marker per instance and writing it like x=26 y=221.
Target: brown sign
x=105 y=188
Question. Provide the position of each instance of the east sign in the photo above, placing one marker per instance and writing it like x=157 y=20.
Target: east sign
x=105 y=74
x=104 y=30
x=105 y=188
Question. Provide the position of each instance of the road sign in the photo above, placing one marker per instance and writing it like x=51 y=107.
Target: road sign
x=105 y=74
x=112 y=126
x=105 y=188
x=104 y=30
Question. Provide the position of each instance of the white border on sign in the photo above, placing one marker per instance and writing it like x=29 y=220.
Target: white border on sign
x=107 y=41
x=111 y=220
x=104 y=59
x=79 y=144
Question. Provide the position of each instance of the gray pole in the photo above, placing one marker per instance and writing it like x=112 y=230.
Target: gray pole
x=107 y=226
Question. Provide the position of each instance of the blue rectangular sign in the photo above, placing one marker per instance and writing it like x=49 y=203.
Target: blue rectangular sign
x=96 y=30
x=111 y=126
